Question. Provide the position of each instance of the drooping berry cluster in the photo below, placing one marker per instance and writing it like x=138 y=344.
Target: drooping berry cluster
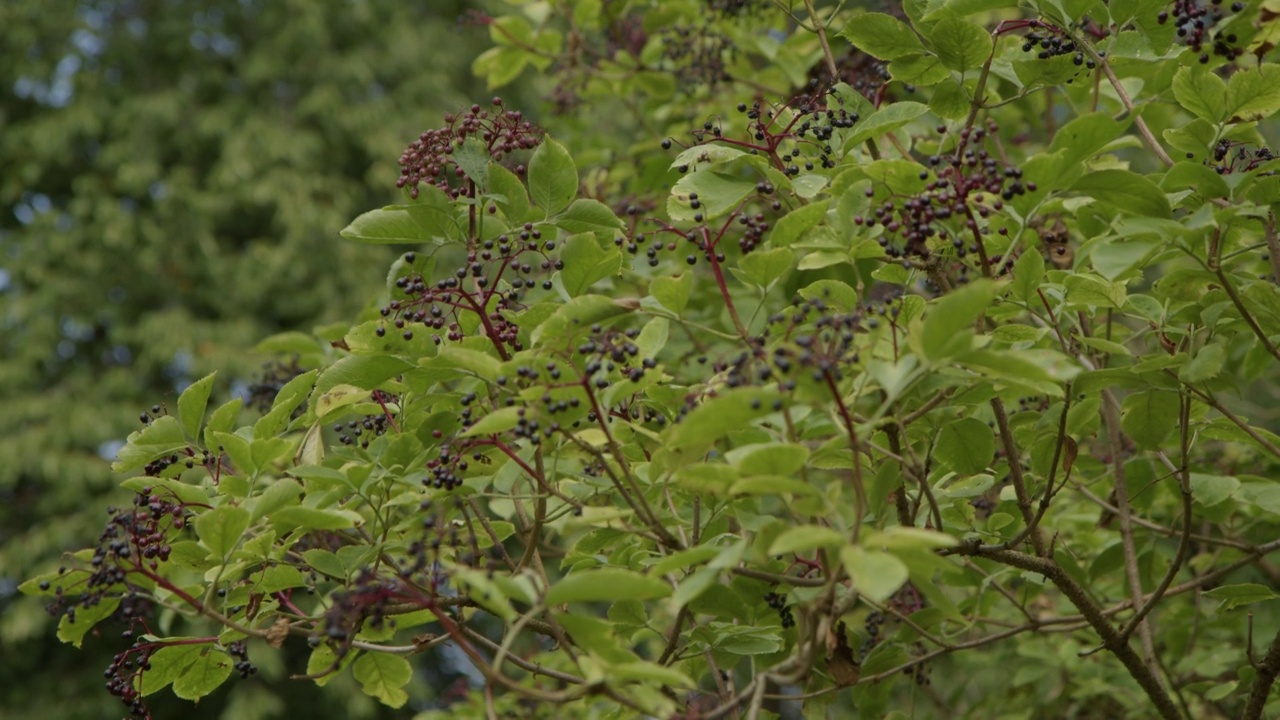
x=779 y=603
x=1195 y=22
x=362 y=430
x=123 y=677
x=430 y=158
x=968 y=187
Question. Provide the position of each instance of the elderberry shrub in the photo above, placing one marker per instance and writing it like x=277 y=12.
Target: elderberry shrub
x=430 y=159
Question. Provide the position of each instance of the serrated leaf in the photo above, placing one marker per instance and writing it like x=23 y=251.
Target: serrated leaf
x=672 y=292
x=362 y=371
x=1149 y=418
x=1209 y=490
x=432 y=219
x=885 y=120
x=207 y=671
x=875 y=574
x=167 y=664
x=1234 y=596
x=948 y=323
x=965 y=445
x=498 y=421
x=578 y=315
x=1028 y=273
x=1253 y=93
x=960 y=44
x=383 y=676
x=1201 y=91
x=709 y=154
x=1126 y=191
x=221 y=528
x=762 y=267
x=553 y=177
x=717 y=193
x=793 y=225
x=73 y=632
x=586 y=262
x=587 y=215
x=882 y=36
x=307 y=518
x=804 y=538
x=602 y=584
x=280 y=493
x=192 y=402
x=1206 y=364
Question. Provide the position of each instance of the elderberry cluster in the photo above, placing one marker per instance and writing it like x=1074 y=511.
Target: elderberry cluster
x=1194 y=22
x=1243 y=160
x=239 y=651
x=135 y=538
x=123 y=676
x=969 y=185
x=697 y=55
x=1053 y=43
x=437 y=306
x=366 y=600
x=779 y=603
x=429 y=159
x=361 y=431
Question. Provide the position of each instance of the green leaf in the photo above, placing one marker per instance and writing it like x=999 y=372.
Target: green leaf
x=762 y=267
x=577 y=316
x=498 y=421
x=430 y=220
x=191 y=404
x=769 y=458
x=306 y=518
x=710 y=154
x=793 y=225
x=1209 y=490
x=73 y=632
x=383 y=676
x=647 y=672
x=1088 y=289
x=1028 y=274
x=1205 y=365
x=1201 y=91
x=1085 y=136
x=293 y=394
x=965 y=445
x=587 y=215
x=715 y=418
x=960 y=44
x=672 y=292
x=221 y=528
x=1126 y=191
x=482 y=365
x=510 y=193
x=832 y=292
x=602 y=584
x=1253 y=93
x=167 y=664
x=1234 y=596
x=553 y=178
x=806 y=537
x=500 y=65
x=924 y=69
x=950 y=100
x=280 y=493
x=162 y=436
x=885 y=120
x=876 y=575
x=362 y=371
x=324 y=665
x=949 y=322
x=474 y=160
x=586 y=262
x=882 y=36
x=222 y=420
x=207 y=671
x=1150 y=417
x=717 y=194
